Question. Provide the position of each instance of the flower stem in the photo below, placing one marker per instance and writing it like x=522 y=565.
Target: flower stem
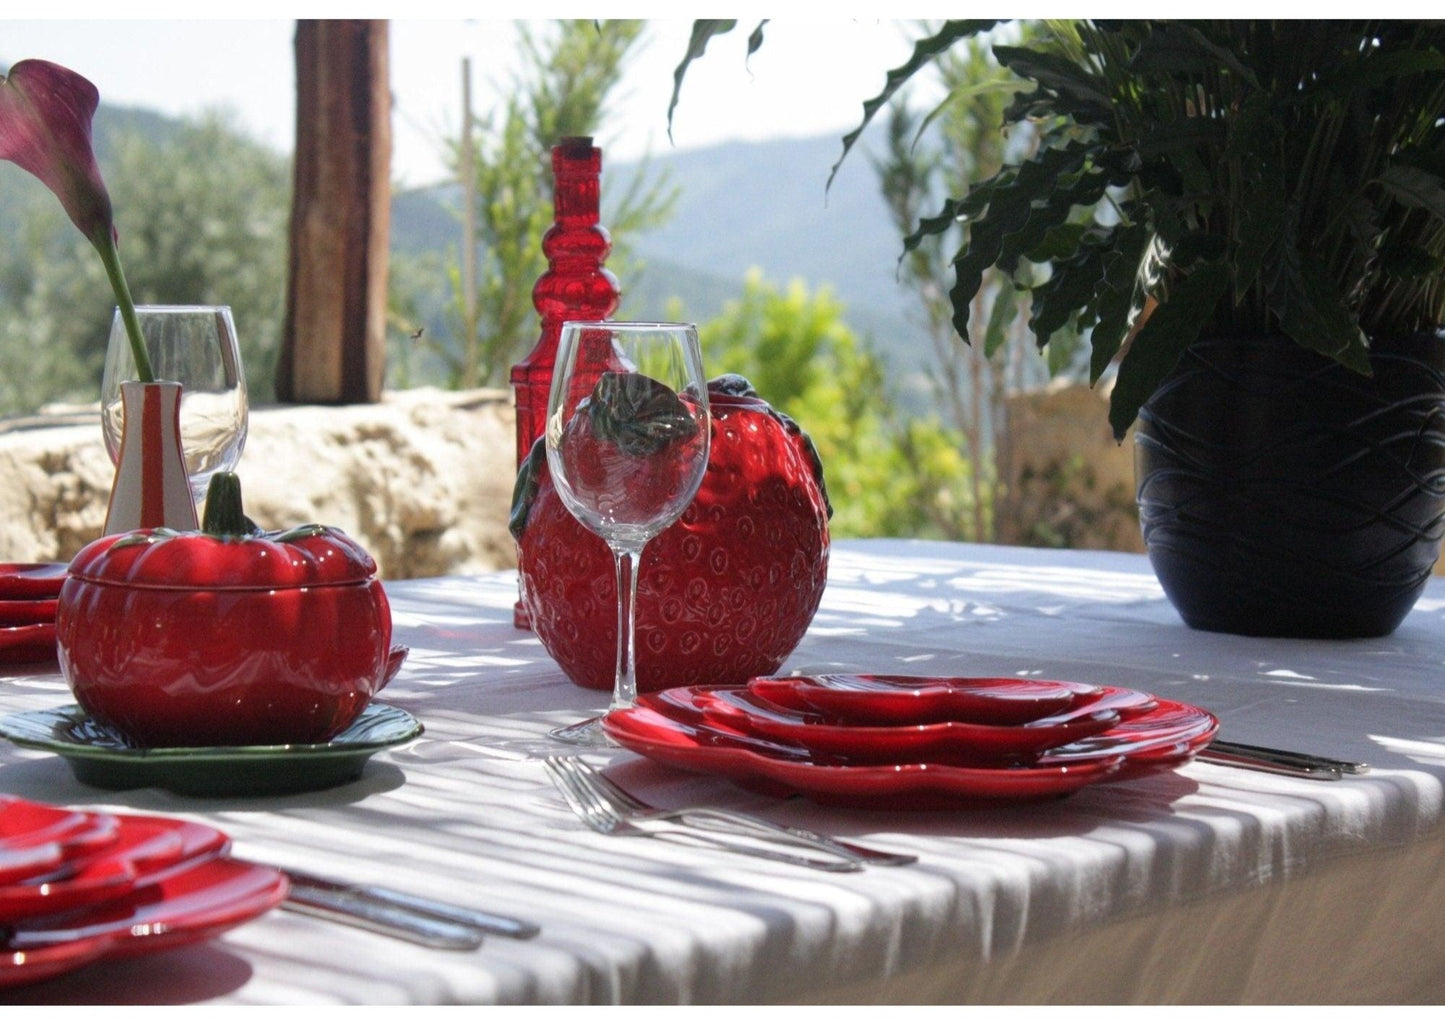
x=104 y=243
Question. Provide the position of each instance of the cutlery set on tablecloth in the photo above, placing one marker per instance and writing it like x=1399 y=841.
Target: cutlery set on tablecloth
x=78 y=886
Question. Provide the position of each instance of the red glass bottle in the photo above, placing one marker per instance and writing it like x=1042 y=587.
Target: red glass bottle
x=576 y=286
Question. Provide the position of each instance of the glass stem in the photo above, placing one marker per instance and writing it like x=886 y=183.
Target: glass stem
x=624 y=689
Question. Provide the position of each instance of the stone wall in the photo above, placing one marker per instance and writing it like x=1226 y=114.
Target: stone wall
x=1069 y=483
x=423 y=479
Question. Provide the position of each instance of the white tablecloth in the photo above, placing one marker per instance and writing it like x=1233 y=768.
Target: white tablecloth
x=1209 y=884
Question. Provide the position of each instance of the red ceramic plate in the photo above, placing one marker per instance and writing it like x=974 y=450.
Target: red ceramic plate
x=948 y=741
x=784 y=769
x=187 y=903
x=27 y=612
x=37 y=838
x=21 y=967
x=32 y=581
x=1167 y=736
x=27 y=644
x=144 y=846
x=895 y=699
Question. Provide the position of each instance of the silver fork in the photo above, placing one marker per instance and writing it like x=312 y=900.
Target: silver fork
x=724 y=820
x=605 y=818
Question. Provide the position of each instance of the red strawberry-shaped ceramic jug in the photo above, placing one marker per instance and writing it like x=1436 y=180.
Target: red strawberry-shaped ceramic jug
x=724 y=594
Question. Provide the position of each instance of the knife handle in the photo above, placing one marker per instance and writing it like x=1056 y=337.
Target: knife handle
x=1280 y=761
x=456 y=915
x=353 y=909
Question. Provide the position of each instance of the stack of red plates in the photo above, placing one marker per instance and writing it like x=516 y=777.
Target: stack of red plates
x=79 y=886
x=29 y=594
x=888 y=741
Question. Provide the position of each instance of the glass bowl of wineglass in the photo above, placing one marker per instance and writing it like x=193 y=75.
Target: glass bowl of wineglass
x=194 y=345
x=627 y=441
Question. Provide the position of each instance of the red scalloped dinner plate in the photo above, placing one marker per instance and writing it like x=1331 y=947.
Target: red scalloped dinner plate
x=32 y=581
x=36 y=838
x=951 y=741
x=674 y=726
x=783 y=769
x=190 y=902
x=143 y=846
x=27 y=612
x=27 y=644
x=1167 y=736
x=18 y=968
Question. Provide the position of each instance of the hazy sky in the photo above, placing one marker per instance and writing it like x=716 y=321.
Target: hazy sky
x=810 y=76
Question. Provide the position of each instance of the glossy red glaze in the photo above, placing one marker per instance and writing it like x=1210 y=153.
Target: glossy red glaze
x=678 y=727
x=35 y=838
x=897 y=699
x=723 y=594
x=31 y=581
x=192 y=902
x=946 y=741
x=188 y=639
x=575 y=286
x=781 y=769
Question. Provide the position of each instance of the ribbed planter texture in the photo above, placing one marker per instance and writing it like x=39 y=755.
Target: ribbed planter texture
x=1282 y=494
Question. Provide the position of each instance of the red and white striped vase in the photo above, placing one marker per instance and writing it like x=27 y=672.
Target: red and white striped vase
x=151 y=488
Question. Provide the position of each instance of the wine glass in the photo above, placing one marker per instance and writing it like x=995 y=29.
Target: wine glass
x=195 y=345
x=627 y=442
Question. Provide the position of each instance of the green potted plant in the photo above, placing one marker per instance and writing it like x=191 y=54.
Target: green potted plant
x=1248 y=220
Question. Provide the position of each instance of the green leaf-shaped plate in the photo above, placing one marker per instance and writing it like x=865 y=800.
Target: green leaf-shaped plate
x=99 y=756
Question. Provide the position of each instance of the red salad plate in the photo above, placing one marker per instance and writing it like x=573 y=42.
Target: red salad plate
x=32 y=581
x=785 y=769
x=189 y=902
x=951 y=741
x=37 y=838
x=18 y=968
x=27 y=644
x=27 y=612
x=1167 y=736
x=890 y=699
x=143 y=847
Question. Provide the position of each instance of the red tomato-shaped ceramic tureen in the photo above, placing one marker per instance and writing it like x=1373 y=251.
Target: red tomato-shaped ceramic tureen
x=226 y=636
x=724 y=594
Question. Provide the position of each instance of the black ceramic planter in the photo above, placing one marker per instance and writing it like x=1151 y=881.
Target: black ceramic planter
x=1281 y=494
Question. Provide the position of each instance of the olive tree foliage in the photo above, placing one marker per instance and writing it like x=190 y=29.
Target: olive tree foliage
x=926 y=158
x=202 y=216
x=569 y=70
x=887 y=475
x=970 y=376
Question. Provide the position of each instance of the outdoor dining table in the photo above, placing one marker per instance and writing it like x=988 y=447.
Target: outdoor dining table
x=1208 y=883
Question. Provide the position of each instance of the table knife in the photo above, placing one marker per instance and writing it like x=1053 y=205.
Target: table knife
x=1279 y=761
x=351 y=908
x=319 y=893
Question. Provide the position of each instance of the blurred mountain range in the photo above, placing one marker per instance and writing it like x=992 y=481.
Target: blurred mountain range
x=744 y=206
x=741 y=206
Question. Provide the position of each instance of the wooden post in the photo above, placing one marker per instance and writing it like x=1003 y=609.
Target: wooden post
x=333 y=344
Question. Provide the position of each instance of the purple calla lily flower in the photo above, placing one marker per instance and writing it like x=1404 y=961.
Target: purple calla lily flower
x=45 y=125
x=45 y=117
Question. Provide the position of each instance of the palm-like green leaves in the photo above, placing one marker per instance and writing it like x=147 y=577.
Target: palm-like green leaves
x=1282 y=176
x=1278 y=193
